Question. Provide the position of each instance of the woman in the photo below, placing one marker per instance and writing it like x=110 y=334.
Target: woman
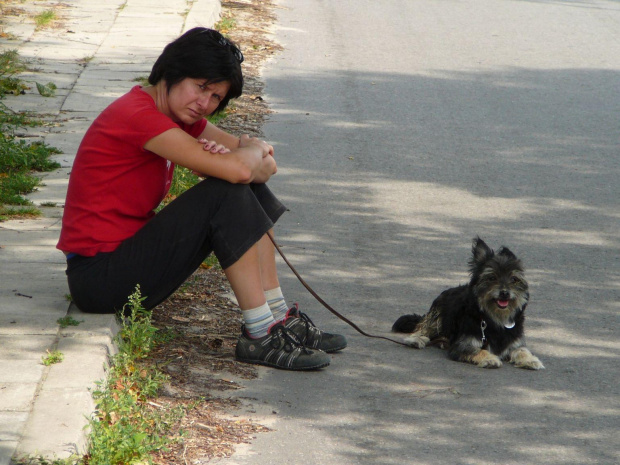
x=123 y=169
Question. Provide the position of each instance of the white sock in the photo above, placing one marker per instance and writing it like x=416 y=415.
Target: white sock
x=258 y=320
x=277 y=304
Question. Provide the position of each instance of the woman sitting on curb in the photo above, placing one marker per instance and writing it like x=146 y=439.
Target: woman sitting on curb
x=123 y=169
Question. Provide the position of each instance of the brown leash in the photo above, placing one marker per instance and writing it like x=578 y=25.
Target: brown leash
x=325 y=304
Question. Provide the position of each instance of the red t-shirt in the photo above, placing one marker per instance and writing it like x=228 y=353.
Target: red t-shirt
x=115 y=184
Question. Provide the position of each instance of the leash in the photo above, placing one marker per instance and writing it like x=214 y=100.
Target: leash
x=325 y=304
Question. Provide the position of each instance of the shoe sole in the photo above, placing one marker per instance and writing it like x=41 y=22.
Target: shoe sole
x=273 y=365
x=337 y=349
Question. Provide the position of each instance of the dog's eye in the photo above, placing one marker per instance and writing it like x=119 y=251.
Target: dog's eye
x=514 y=279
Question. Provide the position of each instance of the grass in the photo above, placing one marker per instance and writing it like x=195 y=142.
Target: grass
x=126 y=427
x=225 y=24
x=7 y=213
x=20 y=156
x=10 y=66
x=19 y=160
x=68 y=321
x=9 y=119
x=45 y=18
x=12 y=185
x=52 y=357
x=183 y=179
x=211 y=262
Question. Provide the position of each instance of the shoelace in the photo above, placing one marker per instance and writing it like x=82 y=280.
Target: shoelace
x=304 y=316
x=290 y=338
x=307 y=323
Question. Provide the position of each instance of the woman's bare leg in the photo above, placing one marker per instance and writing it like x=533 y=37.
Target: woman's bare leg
x=245 y=279
x=267 y=258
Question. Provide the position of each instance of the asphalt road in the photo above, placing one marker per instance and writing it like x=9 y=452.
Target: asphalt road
x=404 y=128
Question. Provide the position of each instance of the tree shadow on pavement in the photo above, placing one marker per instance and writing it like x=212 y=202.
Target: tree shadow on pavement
x=383 y=210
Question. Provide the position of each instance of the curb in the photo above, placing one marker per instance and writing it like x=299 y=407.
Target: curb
x=93 y=57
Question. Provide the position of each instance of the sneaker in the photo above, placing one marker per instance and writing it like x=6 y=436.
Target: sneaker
x=279 y=349
x=310 y=335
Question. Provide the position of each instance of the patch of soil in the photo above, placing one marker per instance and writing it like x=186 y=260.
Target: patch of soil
x=253 y=20
x=199 y=323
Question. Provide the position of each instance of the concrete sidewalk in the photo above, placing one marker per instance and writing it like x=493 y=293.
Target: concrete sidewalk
x=94 y=56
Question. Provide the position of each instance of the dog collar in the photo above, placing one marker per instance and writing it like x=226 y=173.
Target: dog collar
x=483 y=326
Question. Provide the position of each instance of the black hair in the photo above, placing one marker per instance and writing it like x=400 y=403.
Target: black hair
x=201 y=53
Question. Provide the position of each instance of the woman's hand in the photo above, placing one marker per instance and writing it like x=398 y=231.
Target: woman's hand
x=268 y=165
x=247 y=141
x=267 y=169
x=212 y=146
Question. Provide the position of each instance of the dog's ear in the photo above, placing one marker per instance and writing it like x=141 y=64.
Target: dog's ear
x=481 y=252
x=505 y=251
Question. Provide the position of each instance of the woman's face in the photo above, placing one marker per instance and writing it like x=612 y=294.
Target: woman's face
x=192 y=99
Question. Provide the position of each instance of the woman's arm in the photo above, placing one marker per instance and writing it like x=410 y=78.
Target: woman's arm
x=246 y=163
x=212 y=133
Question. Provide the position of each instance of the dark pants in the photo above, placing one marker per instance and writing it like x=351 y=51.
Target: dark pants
x=213 y=216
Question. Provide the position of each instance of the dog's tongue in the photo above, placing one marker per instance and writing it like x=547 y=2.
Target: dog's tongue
x=502 y=303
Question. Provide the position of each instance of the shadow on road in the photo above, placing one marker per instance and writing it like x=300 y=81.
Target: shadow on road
x=383 y=210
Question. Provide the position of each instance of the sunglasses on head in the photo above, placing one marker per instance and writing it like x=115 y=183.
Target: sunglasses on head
x=224 y=42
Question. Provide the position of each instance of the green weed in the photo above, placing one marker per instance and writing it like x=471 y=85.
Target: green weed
x=211 y=262
x=225 y=24
x=142 y=80
x=38 y=460
x=52 y=357
x=67 y=321
x=183 y=179
x=127 y=428
x=18 y=158
x=216 y=118
x=46 y=90
x=44 y=18
x=11 y=65
x=10 y=120
x=12 y=187
x=7 y=213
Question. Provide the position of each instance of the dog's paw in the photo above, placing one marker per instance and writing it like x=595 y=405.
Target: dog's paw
x=523 y=358
x=417 y=341
x=485 y=359
x=492 y=362
x=533 y=364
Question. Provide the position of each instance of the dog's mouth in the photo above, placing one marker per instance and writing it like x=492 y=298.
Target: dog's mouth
x=503 y=304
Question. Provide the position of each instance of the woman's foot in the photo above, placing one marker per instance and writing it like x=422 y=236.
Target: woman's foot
x=310 y=335
x=281 y=348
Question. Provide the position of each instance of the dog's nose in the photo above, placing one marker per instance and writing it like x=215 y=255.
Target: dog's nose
x=504 y=295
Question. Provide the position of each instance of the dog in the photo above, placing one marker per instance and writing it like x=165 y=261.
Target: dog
x=480 y=322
